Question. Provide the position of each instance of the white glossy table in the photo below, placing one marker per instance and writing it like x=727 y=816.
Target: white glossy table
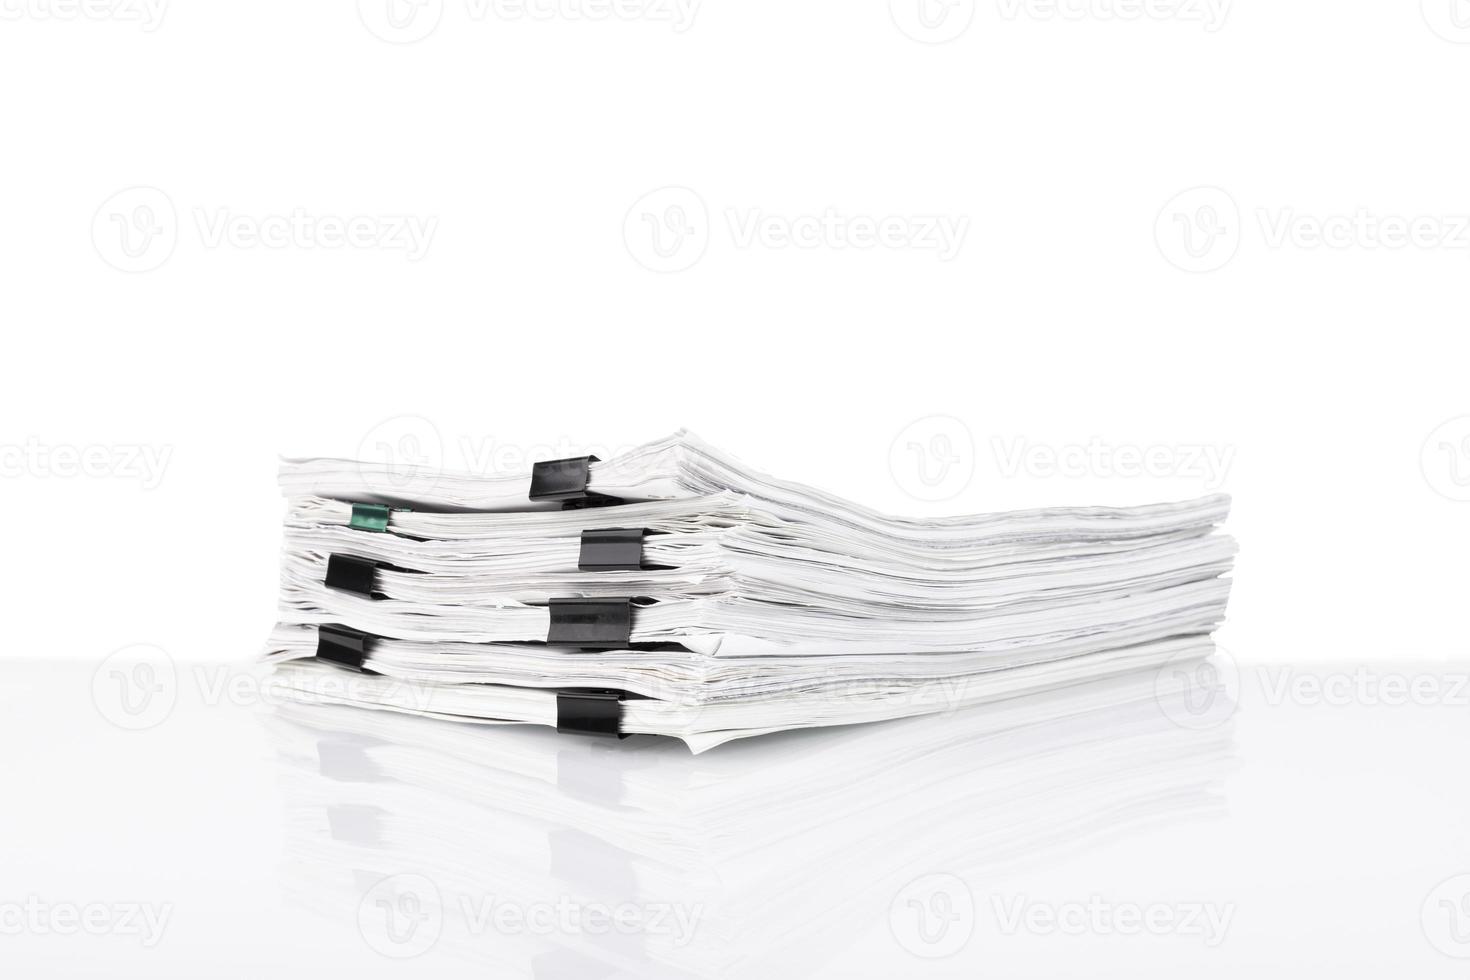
x=1304 y=832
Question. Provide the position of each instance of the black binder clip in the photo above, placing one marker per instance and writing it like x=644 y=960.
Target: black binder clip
x=592 y=624
x=351 y=574
x=590 y=712
x=566 y=480
x=343 y=646
x=611 y=549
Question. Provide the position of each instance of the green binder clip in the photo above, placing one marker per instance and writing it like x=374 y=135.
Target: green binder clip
x=369 y=517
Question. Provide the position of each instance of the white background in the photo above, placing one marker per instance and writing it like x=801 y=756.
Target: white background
x=529 y=322
x=1223 y=231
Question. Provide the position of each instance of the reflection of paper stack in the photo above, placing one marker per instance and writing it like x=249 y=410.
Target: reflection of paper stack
x=683 y=594
x=775 y=850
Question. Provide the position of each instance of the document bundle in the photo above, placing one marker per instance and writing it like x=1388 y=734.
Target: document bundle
x=673 y=591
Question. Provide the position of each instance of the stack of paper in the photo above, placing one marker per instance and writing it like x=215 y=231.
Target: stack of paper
x=684 y=594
